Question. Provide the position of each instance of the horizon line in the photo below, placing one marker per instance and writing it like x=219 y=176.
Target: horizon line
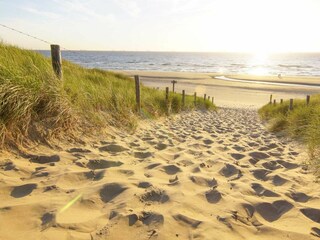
x=167 y=51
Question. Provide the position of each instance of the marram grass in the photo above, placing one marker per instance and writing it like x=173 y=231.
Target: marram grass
x=302 y=123
x=36 y=106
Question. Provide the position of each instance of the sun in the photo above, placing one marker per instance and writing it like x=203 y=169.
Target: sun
x=258 y=63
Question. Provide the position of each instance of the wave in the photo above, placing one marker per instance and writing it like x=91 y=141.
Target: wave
x=293 y=66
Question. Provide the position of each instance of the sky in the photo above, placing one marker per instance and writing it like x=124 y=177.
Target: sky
x=258 y=26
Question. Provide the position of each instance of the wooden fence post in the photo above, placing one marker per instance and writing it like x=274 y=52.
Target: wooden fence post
x=270 y=99
x=291 y=105
x=56 y=60
x=212 y=100
x=281 y=101
x=167 y=100
x=195 y=98
x=167 y=93
x=138 y=98
x=173 y=84
x=209 y=98
x=308 y=99
x=274 y=102
x=183 y=98
x=204 y=96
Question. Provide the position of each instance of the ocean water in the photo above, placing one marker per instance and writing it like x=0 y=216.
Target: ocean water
x=293 y=64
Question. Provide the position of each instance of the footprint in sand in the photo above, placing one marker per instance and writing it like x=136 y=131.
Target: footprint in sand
x=126 y=172
x=229 y=170
x=261 y=191
x=171 y=169
x=102 y=164
x=261 y=174
x=299 y=196
x=111 y=191
x=187 y=220
x=259 y=155
x=23 y=190
x=273 y=211
x=311 y=213
x=207 y=141
x=142 y=155
x=113 y=148
x=213 y=196
x=315 y=232
x=78 y=150
x=95 y=175
x=42 y=159
x=47 y=220
x=144 y=185
x=288 y=165
x=237 y=156
x=278 y=180
x=8 y=165
x=271 y=165
x=161 y=146
x=154 y=195
x=204 y=182
x=147 y=218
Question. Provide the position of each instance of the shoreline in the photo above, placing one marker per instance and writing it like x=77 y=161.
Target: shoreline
x=254 y=92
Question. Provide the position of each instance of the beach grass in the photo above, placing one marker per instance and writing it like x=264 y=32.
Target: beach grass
x=36 y=105
x=302 y=123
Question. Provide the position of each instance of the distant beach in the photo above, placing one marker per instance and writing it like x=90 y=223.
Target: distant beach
x=250 y=92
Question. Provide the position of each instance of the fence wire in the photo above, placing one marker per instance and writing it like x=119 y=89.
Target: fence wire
x=28 y=35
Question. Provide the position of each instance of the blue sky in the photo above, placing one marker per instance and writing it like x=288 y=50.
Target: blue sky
x=165 y=25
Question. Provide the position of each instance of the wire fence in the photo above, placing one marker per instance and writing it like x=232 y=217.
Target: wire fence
x=28 y=35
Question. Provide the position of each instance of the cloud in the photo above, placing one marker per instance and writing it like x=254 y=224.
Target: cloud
x=41 y=12
x=129 y=6
x=85 y=8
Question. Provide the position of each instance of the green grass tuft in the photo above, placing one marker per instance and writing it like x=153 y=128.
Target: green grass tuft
x=302 y=123
x=36 y=106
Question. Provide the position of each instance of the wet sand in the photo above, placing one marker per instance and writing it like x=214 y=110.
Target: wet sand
x=229 y=93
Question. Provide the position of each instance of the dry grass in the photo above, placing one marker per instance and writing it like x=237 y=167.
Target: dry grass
x=35 y=106
x=303 y=123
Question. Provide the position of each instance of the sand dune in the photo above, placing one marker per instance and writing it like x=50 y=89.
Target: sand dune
x=198 y=175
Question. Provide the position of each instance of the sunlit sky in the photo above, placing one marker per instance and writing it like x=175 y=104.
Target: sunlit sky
x=259 y=26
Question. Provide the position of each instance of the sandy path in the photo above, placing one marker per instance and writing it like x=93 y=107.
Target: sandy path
x=195 y=176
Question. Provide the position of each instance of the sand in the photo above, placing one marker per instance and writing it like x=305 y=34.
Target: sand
x=228 y=93
x=198 y=175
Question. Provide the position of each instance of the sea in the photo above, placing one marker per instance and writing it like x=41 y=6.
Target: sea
x=289 y=64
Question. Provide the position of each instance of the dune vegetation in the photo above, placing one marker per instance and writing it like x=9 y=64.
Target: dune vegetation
x=302 y=123
x=36 y=106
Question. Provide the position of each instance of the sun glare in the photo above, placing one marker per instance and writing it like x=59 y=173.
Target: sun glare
x=258 y=63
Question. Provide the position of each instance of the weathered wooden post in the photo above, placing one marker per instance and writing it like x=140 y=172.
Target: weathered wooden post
x=274 y=102
x=167 y=100
x=212 y=100
x=173 y=83
x=183 y=98
x=281 y=101
x=138 y=98
x=208 y=98
x=270 y=99
x=56 y=60
x=167 y=94
x=195 y=98
x=204 y=96
x=308 y=99
x=291 y=105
